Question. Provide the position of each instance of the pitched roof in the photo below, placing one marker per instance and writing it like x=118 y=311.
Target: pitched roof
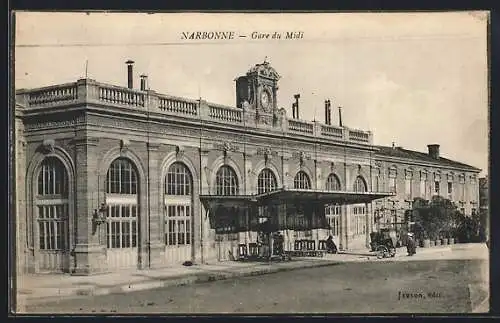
x=399 y=152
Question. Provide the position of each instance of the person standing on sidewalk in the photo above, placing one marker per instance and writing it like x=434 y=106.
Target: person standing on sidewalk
x=410 y=245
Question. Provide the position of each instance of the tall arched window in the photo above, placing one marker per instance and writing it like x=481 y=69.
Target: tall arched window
x=122 y=177
x=178 y=180
x=266 y=181
x=122 y=204
x=302 y=181
x=226 y=182
x=178 y=209
x=332 y=183
x=52 y=206
x=360 y=185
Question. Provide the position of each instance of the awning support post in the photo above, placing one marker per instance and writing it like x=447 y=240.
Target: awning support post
x=368 y=217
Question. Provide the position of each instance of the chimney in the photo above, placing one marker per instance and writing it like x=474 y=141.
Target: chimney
x=144 y=79
x=130 y=70
x=433 y=151
x=297 y=97
x=293 y=110
x=340 y=116
x=326 y=112
x=329 y=113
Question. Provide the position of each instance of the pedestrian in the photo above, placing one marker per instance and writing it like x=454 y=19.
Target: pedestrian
x=330 y=245
x=410 y=245
x=280 y=240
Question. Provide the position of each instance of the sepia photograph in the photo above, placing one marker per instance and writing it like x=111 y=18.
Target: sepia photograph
x=250 y=163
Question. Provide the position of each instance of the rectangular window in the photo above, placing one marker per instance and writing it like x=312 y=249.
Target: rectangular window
x=450 y=190
x=423 y=191
x=408 y=192
x=178 y=225
x=121 y=227
x=436 y=188
x=188 y=232
x=52 y=229
x=392 y=185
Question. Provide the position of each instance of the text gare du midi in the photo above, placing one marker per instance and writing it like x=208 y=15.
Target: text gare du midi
x=223 y=35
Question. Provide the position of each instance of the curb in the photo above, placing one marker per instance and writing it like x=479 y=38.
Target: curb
x=72 y=293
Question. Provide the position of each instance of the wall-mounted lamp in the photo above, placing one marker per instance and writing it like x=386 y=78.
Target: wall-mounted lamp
x=99 y=216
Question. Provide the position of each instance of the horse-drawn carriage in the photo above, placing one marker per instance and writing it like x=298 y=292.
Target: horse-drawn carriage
x=384 y=243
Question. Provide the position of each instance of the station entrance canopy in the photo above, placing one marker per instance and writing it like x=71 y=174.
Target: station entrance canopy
x=294 y=209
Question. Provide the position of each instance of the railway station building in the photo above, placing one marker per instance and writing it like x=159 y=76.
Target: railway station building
x=112 y=177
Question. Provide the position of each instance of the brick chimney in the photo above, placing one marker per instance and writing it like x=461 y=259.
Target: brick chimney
x=340 y=117
x=297 y=97
x=130 y=73
x=144 y=84
x=328 y=113
x=433 y=151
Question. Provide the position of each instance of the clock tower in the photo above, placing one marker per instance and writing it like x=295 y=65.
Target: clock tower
x=256 y=93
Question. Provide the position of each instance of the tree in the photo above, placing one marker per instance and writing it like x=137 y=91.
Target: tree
x=435 y=218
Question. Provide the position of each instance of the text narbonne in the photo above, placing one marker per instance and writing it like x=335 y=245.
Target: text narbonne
x=229 y=35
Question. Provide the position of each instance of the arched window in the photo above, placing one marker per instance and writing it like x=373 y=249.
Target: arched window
x=52 y=206
x=122 y=211
x=360 y=185
x=226 y=182
x=266 y=181
x=302 y=181
x=121 y=178
x=332 y=183
x=178 y=180
x=178 y=210
x=52 y=179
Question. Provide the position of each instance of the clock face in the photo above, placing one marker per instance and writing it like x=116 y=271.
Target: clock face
x=265 y=99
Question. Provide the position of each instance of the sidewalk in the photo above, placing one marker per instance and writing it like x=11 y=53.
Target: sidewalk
x=45 y=287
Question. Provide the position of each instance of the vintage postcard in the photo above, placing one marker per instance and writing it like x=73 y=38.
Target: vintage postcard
x=193 y=163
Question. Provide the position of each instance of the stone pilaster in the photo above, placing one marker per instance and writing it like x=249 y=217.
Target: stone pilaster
x=285 y=161
x=19 y=184
x=155 y=215
x=206 y=252
x=89 y=252
x=249 y=182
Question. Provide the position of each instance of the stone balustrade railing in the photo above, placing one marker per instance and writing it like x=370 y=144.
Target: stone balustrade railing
x=121 y=96
x=53 y=94
x=358 y=135
x=91 y=91
x=223 y=113
x=300 y=126
x=332 y=131
x=176 y=105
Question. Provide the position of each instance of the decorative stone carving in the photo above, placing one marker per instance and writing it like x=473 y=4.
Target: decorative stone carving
x=301 y=155
x=179 y=152
x=48 y=145
x=264 y=69
x=124 y=145
x=226 y=147
x=246 y=105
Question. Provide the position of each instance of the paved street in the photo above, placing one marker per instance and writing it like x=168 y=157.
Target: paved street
x=417 y=286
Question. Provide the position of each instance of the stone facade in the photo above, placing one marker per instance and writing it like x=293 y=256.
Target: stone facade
x=87 y=125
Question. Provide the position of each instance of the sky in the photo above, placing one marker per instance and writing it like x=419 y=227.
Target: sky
x=410 y=78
